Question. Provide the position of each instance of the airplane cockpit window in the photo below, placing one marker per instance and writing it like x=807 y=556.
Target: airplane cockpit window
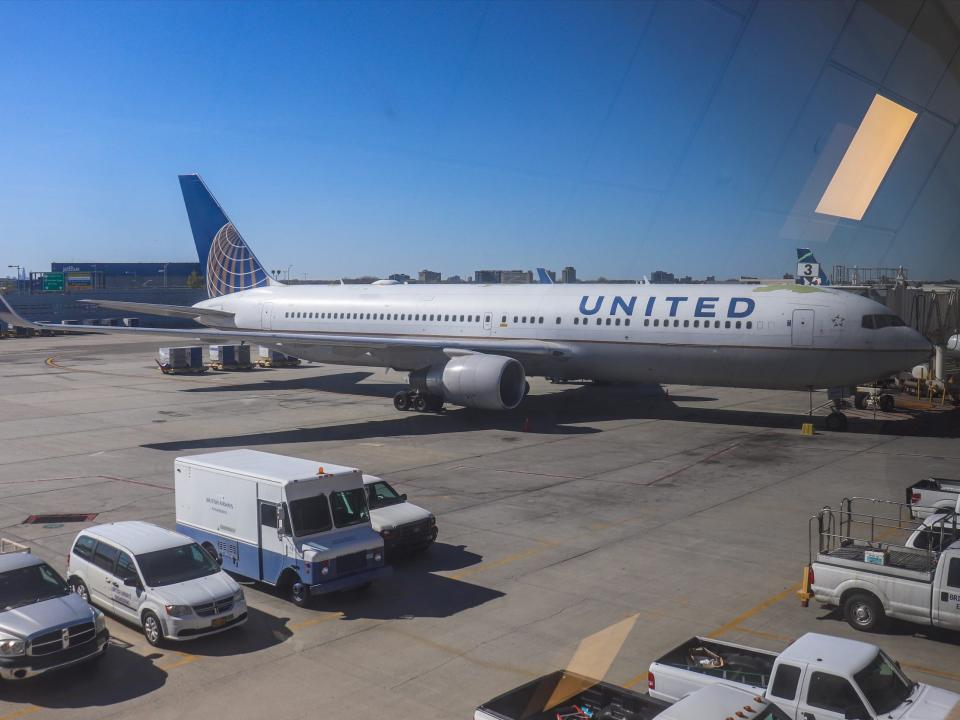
x=876 y=322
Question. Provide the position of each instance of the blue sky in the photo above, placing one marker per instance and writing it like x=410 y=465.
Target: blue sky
x=358 y=138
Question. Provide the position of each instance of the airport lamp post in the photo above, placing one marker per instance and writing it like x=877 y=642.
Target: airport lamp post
x=19 y=268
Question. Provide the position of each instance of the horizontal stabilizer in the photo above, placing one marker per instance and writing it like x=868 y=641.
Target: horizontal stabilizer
x=202 y=315
x=10 y=316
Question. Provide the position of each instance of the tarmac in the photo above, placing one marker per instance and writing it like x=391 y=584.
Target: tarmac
x=682 y=510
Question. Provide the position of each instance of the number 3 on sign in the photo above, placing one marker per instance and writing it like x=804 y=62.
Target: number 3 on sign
x=808 y=270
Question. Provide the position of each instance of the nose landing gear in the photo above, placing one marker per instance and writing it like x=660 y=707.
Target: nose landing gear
x=416 y=400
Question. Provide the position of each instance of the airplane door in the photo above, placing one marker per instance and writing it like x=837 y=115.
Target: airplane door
x=487 y=322
x=266 y=316
x=802 y=327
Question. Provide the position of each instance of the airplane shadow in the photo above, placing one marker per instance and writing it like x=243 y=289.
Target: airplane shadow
x=349 y=383
x=570 y=411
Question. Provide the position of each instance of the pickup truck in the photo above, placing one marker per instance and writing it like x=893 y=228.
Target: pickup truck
x=43 y=625
x=871 y=579
x=817 y=676
x=563 y=695
x=932 y=494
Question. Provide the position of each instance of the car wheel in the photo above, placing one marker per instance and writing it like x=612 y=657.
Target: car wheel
x=299 y=594
x=836 y=421
x=863 y=612
x=80 y=588
x=152 y=629
x=886 y=403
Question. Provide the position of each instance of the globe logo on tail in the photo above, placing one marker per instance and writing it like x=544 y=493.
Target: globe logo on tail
x=231 y=266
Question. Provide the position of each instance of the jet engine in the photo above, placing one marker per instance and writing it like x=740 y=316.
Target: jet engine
x=490 y=382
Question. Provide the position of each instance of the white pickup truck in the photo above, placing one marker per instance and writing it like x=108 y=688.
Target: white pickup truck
x=818 y=677
x=567 y=696
x=932 y=494
x=871 y=579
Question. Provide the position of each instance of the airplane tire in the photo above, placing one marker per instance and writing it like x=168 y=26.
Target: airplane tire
x=860 y=400
x=401 y=401
x=420 y=403
x=837 y=422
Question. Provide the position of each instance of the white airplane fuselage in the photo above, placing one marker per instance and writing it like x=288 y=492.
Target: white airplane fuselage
x=774 y=336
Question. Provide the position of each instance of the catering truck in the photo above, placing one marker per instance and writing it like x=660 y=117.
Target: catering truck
x=817 y=676
x=300 y=525
x=860 y=563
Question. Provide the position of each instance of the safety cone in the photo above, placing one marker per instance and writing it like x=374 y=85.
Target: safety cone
x=526 y=425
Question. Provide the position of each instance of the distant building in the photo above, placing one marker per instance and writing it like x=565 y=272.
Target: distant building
x=516 y=277
x=711 y=278
x=428 y=276
x=662 y=276
x=400 y=277
x=569 y=274
x=486 y=276
x=454 y=279
x=686 y=279
x=113 y=275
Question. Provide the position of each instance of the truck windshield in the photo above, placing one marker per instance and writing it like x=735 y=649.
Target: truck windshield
x=29 y=585
x=380 y=494
x=176 y=565
x=883 y=684
x=310 y=515
x=349 y=507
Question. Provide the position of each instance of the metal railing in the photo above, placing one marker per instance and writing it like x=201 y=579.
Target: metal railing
x=835 y=529
x=9 y=546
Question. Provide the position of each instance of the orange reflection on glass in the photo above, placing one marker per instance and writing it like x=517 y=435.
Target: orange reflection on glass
x=869 y=156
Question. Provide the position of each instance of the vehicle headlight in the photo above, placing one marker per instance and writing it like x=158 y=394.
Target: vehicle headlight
x=10 y=647
x=433 y=519
x=99 y=621
x=377 y=557
x=238 y=597
x=178 y=610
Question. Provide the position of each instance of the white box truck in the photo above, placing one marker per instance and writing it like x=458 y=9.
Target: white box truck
x=300 y=525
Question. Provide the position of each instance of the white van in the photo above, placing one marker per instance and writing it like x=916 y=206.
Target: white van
x=404 y=527
x=155 y=578
x=300 y=525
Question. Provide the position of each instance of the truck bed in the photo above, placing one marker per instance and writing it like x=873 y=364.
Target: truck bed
x=919 y=561
x=740 y=665
x=556 y=694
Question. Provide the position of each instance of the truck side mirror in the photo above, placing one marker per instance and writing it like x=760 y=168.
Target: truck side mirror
x=131 y=581
x=404 y=497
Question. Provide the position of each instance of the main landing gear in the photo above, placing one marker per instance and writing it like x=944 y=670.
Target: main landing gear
x=416 y=400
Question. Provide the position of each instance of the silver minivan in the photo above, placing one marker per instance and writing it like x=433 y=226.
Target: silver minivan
x=155 y=578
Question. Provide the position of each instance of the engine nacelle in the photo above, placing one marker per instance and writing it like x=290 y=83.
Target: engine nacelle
x=490 y=382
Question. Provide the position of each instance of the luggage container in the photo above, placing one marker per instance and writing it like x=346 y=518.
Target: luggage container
x=230 y=357
x=181 y=360
x=268 y=357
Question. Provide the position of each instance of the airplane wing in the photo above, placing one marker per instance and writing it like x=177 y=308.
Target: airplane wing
x=201 y=315
x=390 y=351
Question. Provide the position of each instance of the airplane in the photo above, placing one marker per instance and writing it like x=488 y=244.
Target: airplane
x=543 y=277
x=809 y=271
x=474 y=345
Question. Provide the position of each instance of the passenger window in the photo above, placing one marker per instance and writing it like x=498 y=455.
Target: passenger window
x=524 y=319
x=953 y=576
x=599 y=321
x=268 y=515
x=785 y=682
x=646 y=322
x=514 y=319
x=749 y=324
x=686 y=323
x=431 y=317
x=446 y=318
x=676 y=323
x=738 y=324
x=105 y=557
x=716 y=323
x=608 y=321
x=503 y=319
x=656 y=322
x=125 y=568
x=576 y=321
x=726 y=325
x=461 y=318
x=831 y=692
x=696 y=323
x=627 y=322
x=540 y=321
x=617 y=322
x=84 y=547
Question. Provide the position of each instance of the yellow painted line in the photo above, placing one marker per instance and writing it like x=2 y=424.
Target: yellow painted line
x=920 y=669
x=28 y=710
x=505 y=560
x=314 y=621
x=755 y=610
x=636 y=680
x=185 y=659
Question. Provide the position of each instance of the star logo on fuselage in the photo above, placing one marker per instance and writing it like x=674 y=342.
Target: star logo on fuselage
x=837 y=321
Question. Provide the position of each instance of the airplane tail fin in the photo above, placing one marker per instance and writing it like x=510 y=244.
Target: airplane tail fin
x=229 y=263
x=809 y=271
x=543 y=277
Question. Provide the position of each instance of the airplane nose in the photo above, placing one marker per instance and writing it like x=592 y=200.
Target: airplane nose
x=918 y=346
